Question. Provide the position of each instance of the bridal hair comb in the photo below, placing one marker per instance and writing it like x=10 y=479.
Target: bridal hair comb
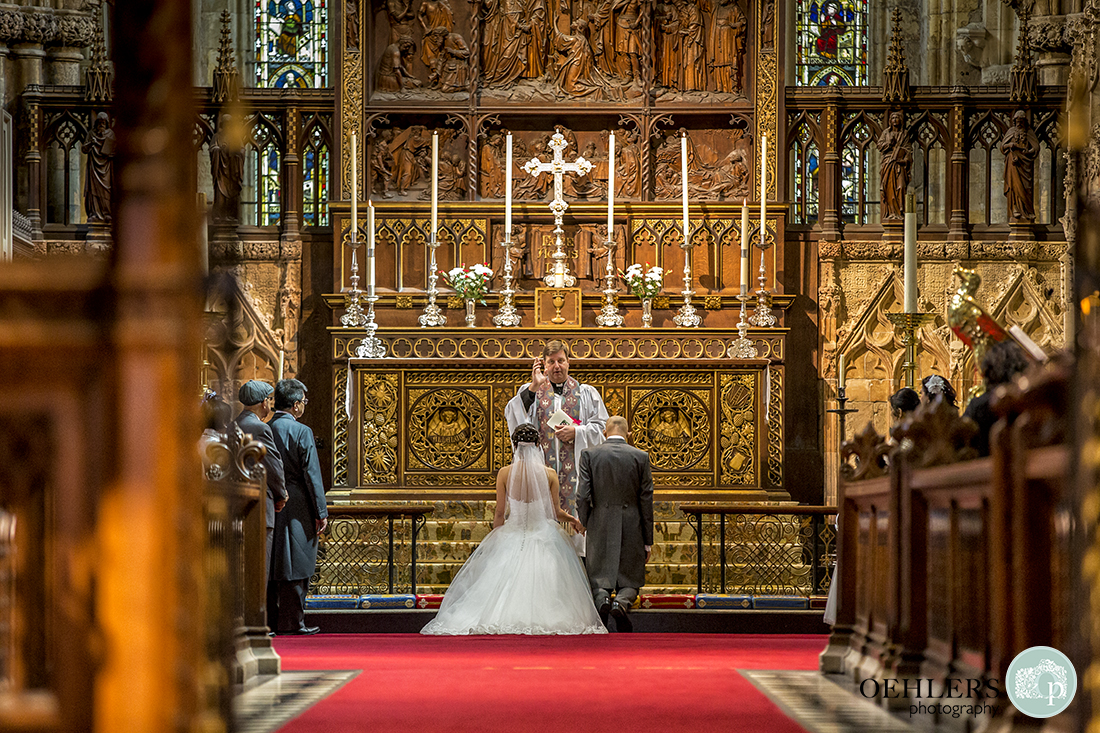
x=936 y=384
x=526 y=433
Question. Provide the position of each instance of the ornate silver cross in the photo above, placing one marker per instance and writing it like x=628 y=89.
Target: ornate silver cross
x=558 y=167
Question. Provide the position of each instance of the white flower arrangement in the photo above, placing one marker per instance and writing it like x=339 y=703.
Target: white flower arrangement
x=644 y=283
x=472 y=283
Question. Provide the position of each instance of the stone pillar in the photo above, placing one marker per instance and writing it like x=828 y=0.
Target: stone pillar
x=29 y=59
x=292 y=175
x=63 y=66
x=959 y=203
x=829 y=176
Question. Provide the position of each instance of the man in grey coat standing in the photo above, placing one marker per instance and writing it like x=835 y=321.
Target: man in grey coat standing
x=258 y=399
x=615 y=504
x=294 y=558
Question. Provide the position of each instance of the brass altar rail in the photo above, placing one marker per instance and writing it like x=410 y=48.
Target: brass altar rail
x=762 y=543
x=349 y=558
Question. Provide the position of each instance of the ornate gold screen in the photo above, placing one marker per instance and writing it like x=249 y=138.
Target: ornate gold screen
x=440 y=427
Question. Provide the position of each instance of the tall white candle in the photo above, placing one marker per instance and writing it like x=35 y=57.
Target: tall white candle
x=744 y=247
x=610 y=186
x=370 y=249
x=763 y=191
x=508 y=192
x=435 y=184
x=910 y=263
x=840 y=366
x=354 y=188
x=559 y=279
x=684 y=180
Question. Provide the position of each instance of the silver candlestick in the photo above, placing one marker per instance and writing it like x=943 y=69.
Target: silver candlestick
x=507 y=316
x=762 y=317
x=433 y=314
x=353 y=312
x=371 y=346
x=742 y=347
x=687 y=317
x=609 y=315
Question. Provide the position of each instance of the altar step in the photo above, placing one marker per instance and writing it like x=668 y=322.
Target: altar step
x=664 y=620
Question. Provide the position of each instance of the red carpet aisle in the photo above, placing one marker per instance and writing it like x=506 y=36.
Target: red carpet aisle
x=639 y=682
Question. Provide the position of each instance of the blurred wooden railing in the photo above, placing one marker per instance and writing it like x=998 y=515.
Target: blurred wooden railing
x=950 y=565
x=235 y=560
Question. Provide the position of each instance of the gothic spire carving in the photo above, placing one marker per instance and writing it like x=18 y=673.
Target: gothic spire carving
x=895 y=83
x=227 y=80
x=97 y=78
x=1025 y=79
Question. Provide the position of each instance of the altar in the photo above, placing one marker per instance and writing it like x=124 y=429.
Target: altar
x=428 y=423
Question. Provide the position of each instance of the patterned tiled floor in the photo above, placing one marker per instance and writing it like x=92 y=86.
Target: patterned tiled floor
x=272 y=703
x=822 y=706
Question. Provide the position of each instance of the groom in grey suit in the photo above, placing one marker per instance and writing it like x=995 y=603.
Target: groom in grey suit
x=615 y=504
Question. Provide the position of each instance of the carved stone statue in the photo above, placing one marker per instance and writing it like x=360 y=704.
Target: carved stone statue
x=536 y=25
x=694 y=47
x=528 y=187
x=434 y=15
x=767 y=24
x=99 y=170
x=381 y=164
x=227 y=172
x=577 y=73
x=432 y=54
x=504 y=45
x=492 y=167
x=628 y=40
x=393 y=69
x=351 y=24
x=587 y=186
x=411 y=151
x=734 y=176
x=454 y=65
x=628 y=169
x=1020 y=147
x=727 y=47
x=669 y=46
x=401 y=17
x=897 y=163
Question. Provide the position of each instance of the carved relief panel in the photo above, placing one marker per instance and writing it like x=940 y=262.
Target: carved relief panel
x=399 y=160
x=444 y=427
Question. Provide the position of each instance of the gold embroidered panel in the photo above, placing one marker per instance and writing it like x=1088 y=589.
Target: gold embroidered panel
x=442 y=426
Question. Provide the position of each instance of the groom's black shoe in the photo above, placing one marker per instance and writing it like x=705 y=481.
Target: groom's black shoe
x=623 y=624
x=604 y=610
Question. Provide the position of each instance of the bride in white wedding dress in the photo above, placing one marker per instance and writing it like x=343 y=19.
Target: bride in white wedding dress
x=524 y=577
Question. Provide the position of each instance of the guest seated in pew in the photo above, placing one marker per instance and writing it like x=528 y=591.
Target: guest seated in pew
x=903 y=403
x=1001 y=365
x=934 y=386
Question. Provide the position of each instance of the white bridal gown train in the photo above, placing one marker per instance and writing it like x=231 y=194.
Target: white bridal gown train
x=524 y=577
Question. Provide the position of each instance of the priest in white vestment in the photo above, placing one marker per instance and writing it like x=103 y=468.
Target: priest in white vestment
x=552 y=389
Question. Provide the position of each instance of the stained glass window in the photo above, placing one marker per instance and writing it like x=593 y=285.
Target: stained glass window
x=315 y=163
x=831 y=42
x=291 y=43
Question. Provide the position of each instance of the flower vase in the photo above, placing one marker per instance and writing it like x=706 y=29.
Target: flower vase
x=470 y=303
x=647 y=312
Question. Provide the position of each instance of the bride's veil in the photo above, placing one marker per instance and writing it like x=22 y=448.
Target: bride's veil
x=528 y=484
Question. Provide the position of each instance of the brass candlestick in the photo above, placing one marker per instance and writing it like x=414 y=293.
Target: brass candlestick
x=433 y=314
x=908 y=324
